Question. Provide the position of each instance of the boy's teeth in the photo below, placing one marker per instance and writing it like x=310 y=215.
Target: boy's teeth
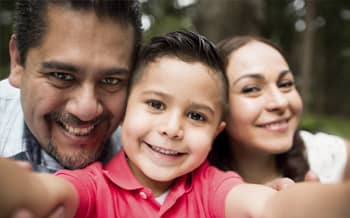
x=164 y=151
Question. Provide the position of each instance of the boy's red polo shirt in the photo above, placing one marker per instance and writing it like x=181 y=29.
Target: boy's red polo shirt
x=113 y=191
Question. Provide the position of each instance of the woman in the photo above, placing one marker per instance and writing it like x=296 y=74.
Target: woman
x=262 y=141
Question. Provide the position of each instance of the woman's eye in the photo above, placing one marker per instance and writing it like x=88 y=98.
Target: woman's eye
x=286 y=84
x=110 y=81
x=250 y=89
x=62 y=76
x=156 y=104
x=196 y=116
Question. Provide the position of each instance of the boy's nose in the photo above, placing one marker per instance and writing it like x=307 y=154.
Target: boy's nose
x=172 y=127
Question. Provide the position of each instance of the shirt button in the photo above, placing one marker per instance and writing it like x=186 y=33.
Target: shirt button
x=143 y=195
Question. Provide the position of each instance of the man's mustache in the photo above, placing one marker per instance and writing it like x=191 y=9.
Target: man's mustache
x=72 y=119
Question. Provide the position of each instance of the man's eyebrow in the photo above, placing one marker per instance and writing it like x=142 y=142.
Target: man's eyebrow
x=115 y=71
x=59 y=65
x=72 y=68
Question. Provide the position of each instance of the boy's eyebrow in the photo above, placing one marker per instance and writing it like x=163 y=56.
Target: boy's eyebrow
x=72 y=68
x=203 y=107
x=193 y=104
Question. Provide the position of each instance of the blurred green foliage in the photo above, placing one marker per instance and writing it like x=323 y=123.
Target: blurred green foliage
x=334 y=125
x=6 y=17
x=165 y=16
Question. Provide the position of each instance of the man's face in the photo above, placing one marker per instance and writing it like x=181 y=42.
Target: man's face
x=73 y=85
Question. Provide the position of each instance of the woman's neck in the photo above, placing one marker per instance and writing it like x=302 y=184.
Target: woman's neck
x=255 y=166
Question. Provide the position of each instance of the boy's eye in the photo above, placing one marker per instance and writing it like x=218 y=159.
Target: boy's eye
x=62 y=76
x=196 y=116
x=110 y=81
x=155 y=104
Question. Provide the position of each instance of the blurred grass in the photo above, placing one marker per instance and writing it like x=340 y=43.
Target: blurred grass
x=333 y=125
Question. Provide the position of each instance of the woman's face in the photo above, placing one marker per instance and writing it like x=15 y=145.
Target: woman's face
x=265 y=106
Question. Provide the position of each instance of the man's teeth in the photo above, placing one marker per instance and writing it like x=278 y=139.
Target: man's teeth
x=78 y=131
x=164 y=151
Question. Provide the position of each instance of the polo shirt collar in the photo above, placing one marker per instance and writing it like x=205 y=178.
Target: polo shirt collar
x=119 y=172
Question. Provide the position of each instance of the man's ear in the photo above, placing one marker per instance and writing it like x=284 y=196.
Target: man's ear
x=221 y=127
x=16 y=66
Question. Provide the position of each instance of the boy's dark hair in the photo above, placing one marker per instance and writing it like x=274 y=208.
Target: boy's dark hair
x=293 y=163
x=31 y=19
x=187 y=46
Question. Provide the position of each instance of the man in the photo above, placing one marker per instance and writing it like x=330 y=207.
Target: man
x=70 y=61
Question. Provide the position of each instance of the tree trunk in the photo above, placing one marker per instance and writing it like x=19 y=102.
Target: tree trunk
x=307 y=54
x=220 y=19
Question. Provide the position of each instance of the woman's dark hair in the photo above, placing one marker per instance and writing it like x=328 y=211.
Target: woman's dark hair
x=293 y=163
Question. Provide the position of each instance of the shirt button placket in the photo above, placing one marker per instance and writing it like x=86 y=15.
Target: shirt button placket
x=143 y=195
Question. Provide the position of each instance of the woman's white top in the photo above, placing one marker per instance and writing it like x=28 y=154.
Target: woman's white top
x=327 y=155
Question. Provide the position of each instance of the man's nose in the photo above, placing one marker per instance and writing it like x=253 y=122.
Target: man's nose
x=84 y=103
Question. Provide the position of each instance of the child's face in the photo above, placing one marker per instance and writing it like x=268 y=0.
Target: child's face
x=265 y=106
x=173 y=114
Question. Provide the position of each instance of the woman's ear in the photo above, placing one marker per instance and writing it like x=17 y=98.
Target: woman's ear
x=16 y=69
x=221 y=127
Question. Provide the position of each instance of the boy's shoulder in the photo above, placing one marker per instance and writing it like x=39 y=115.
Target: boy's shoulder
x=211 y=176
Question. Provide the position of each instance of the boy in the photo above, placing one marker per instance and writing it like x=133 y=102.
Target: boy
x=177 y=100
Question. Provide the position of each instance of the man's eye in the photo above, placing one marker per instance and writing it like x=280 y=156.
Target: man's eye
x=196 y=116
x=155 y=104
x=110 y=81
x=62 y=76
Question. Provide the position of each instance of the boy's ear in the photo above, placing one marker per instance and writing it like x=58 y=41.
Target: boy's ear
x=17 y=69
x=221 y=127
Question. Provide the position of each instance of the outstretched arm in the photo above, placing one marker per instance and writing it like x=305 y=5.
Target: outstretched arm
x=311 y=200
x=40 y=193
x=302 y=200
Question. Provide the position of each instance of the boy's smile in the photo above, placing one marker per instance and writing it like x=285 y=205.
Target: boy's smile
x=173 y=114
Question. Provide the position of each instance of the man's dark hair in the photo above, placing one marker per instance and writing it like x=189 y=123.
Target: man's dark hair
x=31 y=19
x=187 y=46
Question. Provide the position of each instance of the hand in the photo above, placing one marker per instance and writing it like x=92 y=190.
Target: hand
x=311 y=177
x=24 y=164
x=280 y=183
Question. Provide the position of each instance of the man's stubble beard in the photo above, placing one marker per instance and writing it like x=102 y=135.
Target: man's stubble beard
x=76 y=160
